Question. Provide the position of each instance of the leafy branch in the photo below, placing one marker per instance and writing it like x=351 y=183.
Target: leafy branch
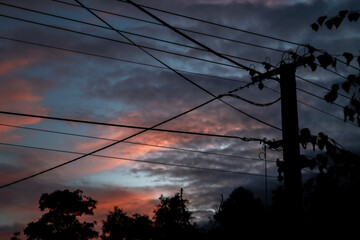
x=335 y=21
x=321 y=161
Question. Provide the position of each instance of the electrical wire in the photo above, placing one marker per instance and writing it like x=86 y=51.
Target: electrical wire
x=187 y=36
x=125 y=32
x=212 y=23
x=131 y=142
x=164 y=68
x=318 y=97
x=127 y=126
x=70 y=19
x=182 y=29
x=107 y=146
x=127 y=43
x=251 y=102
x=114 y=58
x=135 y=160
x=181 y=75
x=321 y=86
x=233 y=28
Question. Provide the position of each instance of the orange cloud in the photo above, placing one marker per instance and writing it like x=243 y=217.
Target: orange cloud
x=18 y=95
x=16 y=64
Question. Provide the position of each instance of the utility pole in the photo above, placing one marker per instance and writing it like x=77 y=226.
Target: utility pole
x=290 y=139
x=291 y=149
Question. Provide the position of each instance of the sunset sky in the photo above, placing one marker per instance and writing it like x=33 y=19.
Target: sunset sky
x=59 y=60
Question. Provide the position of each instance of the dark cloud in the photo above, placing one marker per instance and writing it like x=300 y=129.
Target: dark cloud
x=80 y=86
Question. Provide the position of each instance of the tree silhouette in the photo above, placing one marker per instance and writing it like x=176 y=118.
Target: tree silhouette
x=333 y=196
x=120 y=226
x=60 y=222
x=172 y=218
x=240 y=212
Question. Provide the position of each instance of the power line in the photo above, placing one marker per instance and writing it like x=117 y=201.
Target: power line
x=163 y=68
x=182 y=29
x=135 y=160
x=106 y=147
x=232 y=28
x=212 y=23
x=127 y=43
x=188 y=37
x=321 y=86
x=181 y=75
x=131 y=142
x=128 y=126
x=70 y=19
x=210 y=35
x=318 y=97
x=125 y=32
x=114 y=58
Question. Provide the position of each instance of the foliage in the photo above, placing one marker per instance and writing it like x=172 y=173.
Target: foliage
x=60 y=222
x=335 y=21
x=120 y=226
x=240 y=211
x=172 y=218
x=352 y=82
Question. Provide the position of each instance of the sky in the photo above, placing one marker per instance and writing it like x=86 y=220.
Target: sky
x=68 y=64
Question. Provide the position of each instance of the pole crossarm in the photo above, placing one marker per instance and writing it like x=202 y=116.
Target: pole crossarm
x=300 y=61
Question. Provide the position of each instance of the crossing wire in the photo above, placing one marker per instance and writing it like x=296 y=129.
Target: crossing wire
x=125 y=32
x=131 y=142
x=185 y=72
x=137 y=160
x=129 y=126
x=183 y=76
x=163 y=68
x=127 y=43
x=179 y=28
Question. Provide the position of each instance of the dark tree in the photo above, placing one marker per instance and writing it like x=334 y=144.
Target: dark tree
x=60 y=222
x=116 y=225
x=119 y=226
x=172 y=218
x=240 y=212
x=333 y=196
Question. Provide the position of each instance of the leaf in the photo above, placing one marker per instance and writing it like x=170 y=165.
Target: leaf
x=337 y=21
x=315 y=27
x=321 y=20
x=357 y=80
x=346 y=86
x=349 y=57
x=330 y=97
x=267 y=66
x=351 y=78
x=311 y=49
x=325 y=60
x=342 y=14
x=329 y=23
x=334 y=63
x=335 y=87
x=354 y=16
x=313 y=141
x=313 y=67
x=323 y=136
x=348 y=113
x=321 y=144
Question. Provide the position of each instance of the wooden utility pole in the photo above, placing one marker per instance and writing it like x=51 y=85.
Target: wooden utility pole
x=290 y=139
x=291 y=150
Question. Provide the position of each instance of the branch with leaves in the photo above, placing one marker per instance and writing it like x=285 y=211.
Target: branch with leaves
x=335 y=21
